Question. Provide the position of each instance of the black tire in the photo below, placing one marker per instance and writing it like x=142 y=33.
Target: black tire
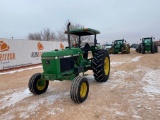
x=79 y=89
x=127 y=50
x=114 y=51
x=139 y=48
x=101 y=66
x=34 y=86
x=122 y=50
x=156 y=48
x=153 y=49
x=143 y=50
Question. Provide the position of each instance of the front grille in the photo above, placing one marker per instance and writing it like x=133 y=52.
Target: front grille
x=66 y=64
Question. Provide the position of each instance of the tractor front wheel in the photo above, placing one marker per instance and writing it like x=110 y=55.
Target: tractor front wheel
x=37 y=85
x=79 y=89
x=101 y=66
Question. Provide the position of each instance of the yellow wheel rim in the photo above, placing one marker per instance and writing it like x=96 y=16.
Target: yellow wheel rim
x=106 y=66
x=83 y=89
x=40 y=84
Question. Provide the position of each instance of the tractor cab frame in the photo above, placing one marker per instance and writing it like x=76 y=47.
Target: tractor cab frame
x=84 y=32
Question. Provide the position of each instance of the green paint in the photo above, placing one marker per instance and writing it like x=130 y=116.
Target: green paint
x=84 y=32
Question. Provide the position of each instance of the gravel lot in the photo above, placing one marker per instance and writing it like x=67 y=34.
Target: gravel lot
x=131 y=93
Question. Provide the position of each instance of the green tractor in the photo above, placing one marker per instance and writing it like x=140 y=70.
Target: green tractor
x=147 y=45
x=68 y=63
x=120 y=46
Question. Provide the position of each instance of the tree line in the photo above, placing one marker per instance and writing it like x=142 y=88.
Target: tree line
x=48 y=35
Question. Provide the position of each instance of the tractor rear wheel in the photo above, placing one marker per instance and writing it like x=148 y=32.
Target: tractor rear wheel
x=79 y=89
x=37 y=85
x=101 y=66
x=122 y=50
x=127 y=50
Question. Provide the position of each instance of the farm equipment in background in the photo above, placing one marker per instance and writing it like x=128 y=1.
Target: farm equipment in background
x=134 y=45
x=108 y=47
x=68 y=63
x=147 y=45
x=138 y=48
x=120 y=46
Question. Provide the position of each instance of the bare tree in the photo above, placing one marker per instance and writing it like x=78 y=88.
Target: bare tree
x=45 y=35
x=60 y=35
x=34 y=36
x=74 y=39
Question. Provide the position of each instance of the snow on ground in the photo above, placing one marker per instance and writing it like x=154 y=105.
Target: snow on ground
x=19 y=70
x=135 y=59
x=7 y=91
x=150 y=83
x=19 y=96
x=148 y=93
x=34 y=106
x=121 y=74
x=113 y=64
x=13 y=98
x=153 y=80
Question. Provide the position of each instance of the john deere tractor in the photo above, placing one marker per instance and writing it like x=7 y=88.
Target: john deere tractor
x=67 y=64
x=147 y=45
x=120 y=46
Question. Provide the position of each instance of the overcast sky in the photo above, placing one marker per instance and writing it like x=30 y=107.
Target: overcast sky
x=115 y=19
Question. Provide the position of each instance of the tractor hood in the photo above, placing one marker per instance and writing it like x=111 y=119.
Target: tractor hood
x=61 y=53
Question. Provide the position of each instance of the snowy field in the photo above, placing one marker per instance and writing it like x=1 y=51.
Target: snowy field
x=131 y=93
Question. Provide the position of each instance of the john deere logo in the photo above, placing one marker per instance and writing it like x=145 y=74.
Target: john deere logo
x=40 y=46
x=39 y=53
x=3 y=55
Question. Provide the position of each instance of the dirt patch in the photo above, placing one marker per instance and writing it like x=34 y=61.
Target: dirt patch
x=131 y=93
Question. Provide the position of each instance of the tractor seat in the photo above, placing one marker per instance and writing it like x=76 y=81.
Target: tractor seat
x=85 y=49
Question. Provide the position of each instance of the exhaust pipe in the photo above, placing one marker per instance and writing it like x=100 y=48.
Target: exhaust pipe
x=69 y=41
